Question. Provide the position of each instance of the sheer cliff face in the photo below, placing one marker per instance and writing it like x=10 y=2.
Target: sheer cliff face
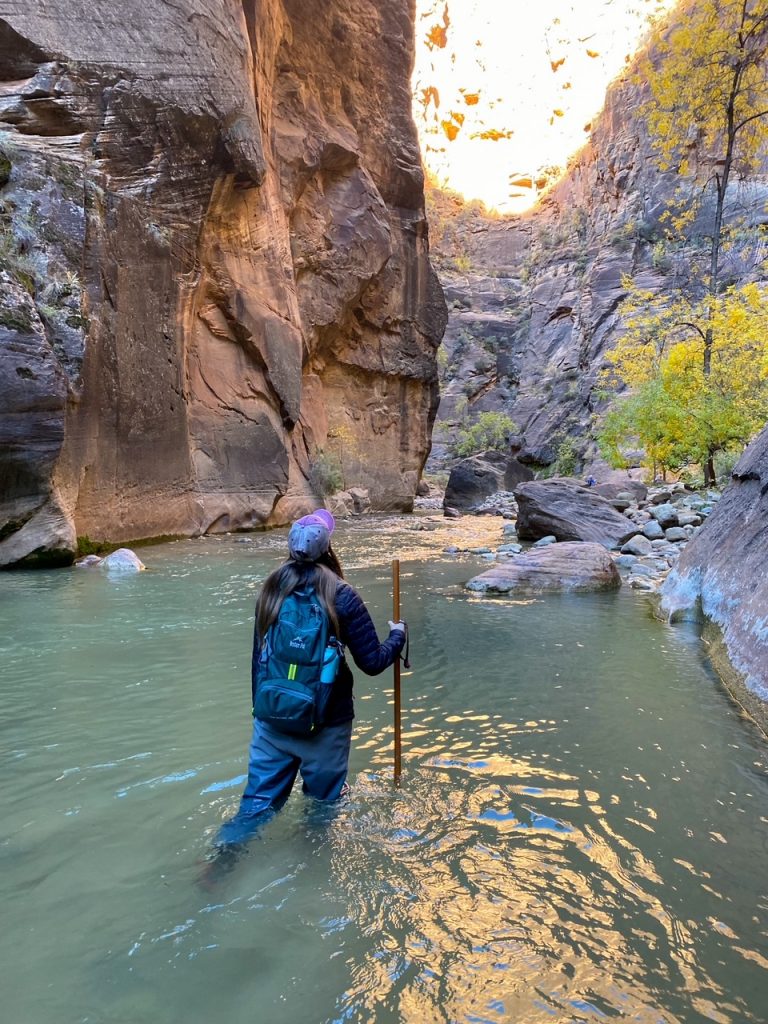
x=543 y=293
x=214 y=265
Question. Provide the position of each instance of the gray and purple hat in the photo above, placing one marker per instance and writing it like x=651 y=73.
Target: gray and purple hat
x=310 y=536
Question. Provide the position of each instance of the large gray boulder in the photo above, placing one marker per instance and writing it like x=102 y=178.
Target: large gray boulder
x=611 y=489
x=473 y=480
x=516 y=473
x=569 y=512
x=557 y=567
x=723 y=572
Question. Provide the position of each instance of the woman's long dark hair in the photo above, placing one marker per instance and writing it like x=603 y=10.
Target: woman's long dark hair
x=323 y=576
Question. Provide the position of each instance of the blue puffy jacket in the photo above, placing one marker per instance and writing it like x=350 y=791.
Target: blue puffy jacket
x=358 y=634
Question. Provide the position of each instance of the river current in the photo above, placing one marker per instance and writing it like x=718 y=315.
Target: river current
x=581 y=833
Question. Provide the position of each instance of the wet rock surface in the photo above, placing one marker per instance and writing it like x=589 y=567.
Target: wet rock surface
x=724 y=573
x=569 y=567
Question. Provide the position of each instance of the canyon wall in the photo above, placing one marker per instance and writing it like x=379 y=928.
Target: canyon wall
x=534 y=298
x=214 y=273
x=534 y=306
x=723 y=573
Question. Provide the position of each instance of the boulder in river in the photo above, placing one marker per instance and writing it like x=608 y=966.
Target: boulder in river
x=611 y=489
x=570 y=512
x=473 y=480
x=122 y=561
x=676 y=534
x=516 y=473
x=665 y=514
x=558 y=567
x=652 y=530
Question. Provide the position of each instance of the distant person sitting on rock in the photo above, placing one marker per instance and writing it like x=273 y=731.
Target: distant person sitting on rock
x=306 y=616
x=590 y=481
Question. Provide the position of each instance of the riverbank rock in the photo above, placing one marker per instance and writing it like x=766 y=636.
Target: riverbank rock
x=622 y=484
x=571 y=513
x=473 y=480
x=557 y=567
x=724 y=571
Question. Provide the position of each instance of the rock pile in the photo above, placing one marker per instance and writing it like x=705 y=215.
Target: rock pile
x=640 y=532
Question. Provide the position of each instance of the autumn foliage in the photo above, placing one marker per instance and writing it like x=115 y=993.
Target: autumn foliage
x=693 y=361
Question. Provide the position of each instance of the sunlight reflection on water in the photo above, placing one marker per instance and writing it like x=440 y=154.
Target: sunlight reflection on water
x=576 y=837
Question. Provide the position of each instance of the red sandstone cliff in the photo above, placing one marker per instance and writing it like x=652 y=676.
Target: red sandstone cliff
x=213 y=265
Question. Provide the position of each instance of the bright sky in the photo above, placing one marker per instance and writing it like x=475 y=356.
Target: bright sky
x=515 y=83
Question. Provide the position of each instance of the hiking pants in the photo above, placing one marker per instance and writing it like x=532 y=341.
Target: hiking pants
x=274 y=760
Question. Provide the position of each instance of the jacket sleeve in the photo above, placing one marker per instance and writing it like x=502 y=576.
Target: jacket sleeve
x=358 y=633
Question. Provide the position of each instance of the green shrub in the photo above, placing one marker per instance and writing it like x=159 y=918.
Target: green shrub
x=567 y=460
x=325 y=473
x=724 y=463
x=490 y=432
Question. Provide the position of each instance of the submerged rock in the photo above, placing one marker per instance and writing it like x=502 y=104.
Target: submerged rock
x=89 y=562
x=558 y=567
x=122 y=561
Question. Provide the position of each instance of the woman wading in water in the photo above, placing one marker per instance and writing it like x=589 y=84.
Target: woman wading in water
x=306 y=617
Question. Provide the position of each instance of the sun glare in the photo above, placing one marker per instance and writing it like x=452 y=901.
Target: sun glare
x=505 y=92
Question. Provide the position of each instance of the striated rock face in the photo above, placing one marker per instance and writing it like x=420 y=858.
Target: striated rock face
x=563 y=509
x=570 y=567
x=215 y=266
x=725 y=570
x=534 y=299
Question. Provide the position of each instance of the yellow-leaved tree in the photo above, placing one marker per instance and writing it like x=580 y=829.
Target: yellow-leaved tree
x=695 y=357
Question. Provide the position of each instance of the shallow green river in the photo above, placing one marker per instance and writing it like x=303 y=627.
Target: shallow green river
x=581 y=834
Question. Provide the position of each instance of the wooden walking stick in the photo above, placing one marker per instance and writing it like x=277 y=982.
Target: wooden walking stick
x=396 y=667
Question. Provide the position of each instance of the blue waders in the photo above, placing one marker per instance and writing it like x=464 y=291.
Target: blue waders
x=274 y=760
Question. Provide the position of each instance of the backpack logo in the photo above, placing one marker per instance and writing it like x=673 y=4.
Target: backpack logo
x=299 y=642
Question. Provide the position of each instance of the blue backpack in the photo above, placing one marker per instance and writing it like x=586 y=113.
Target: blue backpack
x=297 y=665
